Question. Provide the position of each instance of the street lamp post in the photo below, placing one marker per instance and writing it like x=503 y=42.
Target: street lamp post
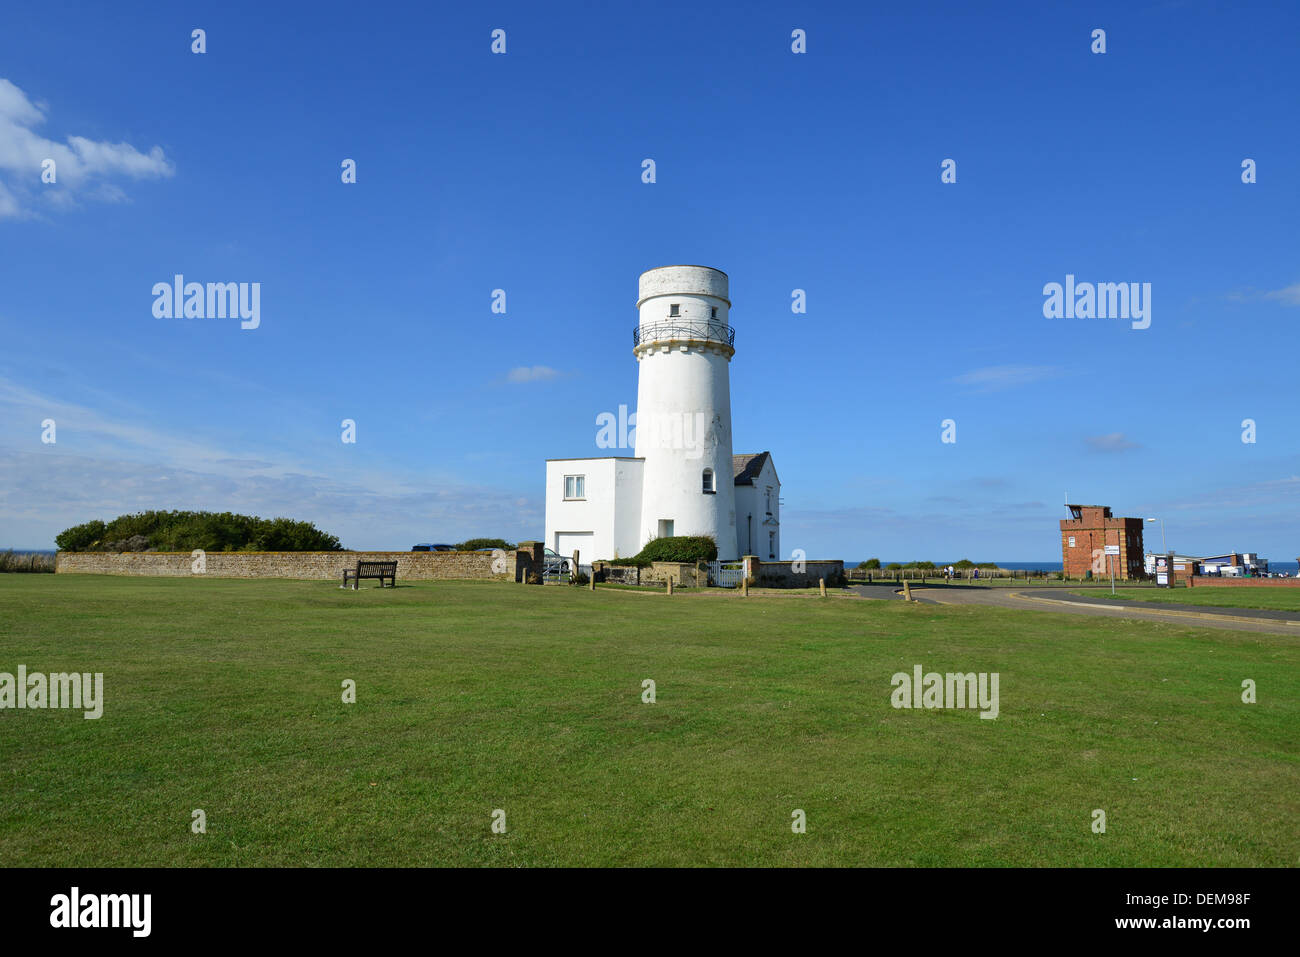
x=1163 y=547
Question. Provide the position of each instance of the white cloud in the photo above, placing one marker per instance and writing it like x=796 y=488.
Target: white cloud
x=1111 y=442
x=997 y=378
x=1290 y=295
x=1287 y=295
x=532 y=374
x=83 y=167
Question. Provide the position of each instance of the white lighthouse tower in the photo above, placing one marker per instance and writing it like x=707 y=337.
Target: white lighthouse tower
x=683 y=344
x=683 y=478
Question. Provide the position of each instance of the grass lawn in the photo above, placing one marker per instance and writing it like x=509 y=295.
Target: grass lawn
x=225 y=695
x=1240 y=596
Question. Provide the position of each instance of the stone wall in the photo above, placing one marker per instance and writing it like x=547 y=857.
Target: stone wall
x=616 y=574
x=686 y=574
x=783 y=575
x=515 y=565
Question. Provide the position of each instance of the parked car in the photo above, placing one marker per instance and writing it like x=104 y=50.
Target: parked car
x=553 y=561
x=427 y=547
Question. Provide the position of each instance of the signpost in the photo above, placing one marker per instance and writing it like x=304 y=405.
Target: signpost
x=1163 y=571
x=1112 y=552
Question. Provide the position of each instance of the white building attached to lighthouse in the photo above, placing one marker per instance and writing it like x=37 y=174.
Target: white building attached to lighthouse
x=684 y=478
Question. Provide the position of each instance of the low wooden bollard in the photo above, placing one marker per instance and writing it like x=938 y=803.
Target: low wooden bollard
x=821 y=583
x=592 y=583
x=744 y=588
x=670 y=586
x=907 y=592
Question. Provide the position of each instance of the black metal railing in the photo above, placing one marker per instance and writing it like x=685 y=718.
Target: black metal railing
x=684 y=329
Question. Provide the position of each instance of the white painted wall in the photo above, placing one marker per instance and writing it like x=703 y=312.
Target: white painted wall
x=609 y=513
x=684 y=409
x=752 y=521
x=627 y=508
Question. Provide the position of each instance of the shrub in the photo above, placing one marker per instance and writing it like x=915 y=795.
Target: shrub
x=893 y=566
x=474 y=544
x=871 y=563
x=184 y=531
x=680 y=548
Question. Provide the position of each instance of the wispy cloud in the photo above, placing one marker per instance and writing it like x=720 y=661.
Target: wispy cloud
x=1111 y=442
x=102 y=466
x=997 y=378
x=1287 y=295
x=47 y=491
x=532 y=374
x=1290 y=295
x=83 y=168
x=1256 y=494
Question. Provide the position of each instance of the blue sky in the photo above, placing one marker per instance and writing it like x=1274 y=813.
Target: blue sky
x=522 y=172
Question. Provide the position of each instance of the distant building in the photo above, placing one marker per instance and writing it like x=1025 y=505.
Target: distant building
x=1235 y=565
x=1232 y=565
x=1087 y=532
x=1184 y=566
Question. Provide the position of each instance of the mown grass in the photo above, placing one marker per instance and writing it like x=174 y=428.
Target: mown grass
x=1272 y=598
x=225 y=695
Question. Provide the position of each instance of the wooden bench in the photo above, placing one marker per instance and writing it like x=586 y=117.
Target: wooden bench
x=380 y=570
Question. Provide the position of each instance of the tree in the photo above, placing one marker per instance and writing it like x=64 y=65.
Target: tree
x=871 y=563
x=80 y=538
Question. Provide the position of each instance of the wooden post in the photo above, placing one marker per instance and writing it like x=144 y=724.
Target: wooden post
x=744 y=588
x=907 y=591
x=592 y=583
x=670 y=586
x=821 y=583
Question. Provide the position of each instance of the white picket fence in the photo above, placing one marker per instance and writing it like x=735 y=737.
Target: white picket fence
x=727 y=574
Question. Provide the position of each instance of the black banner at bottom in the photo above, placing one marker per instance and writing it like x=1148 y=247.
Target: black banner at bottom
x=333 y=907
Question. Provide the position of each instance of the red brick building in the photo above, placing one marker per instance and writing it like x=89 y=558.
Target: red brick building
x=1088 y=530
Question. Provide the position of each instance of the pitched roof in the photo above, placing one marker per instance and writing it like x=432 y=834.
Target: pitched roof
x=746 y=467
